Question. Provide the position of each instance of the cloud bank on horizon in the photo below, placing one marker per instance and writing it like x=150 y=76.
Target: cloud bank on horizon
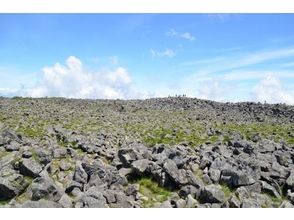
x=218 y=57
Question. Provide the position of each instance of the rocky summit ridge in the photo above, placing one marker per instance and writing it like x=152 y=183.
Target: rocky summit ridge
x=174 y=152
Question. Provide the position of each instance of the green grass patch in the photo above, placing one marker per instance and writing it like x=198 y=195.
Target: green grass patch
x=275 y=202
x=3 y=203
x=276 y=132
x=152 y=191
x=227 y=190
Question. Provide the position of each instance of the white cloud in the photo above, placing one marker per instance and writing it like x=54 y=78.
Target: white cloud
x=271 y=90
x=74 y=81
x=166 y=53
x=185 y=35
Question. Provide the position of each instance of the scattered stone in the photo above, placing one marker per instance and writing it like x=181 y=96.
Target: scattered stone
x=41 y=204
x=234 y=202
x=42 y=188
x=66 y=201
x=11 y=186
x=30 y=167
x=174 y=173
x=80 y=174
x=140 y=166
x=212 y=194
x=191 y=202
x=91 y=153
x=13 y=146
x=60 y=153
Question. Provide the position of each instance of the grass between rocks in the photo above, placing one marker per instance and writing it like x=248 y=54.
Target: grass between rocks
x=227 y=190
x=152 y=192
x=276 y=132
x=276 y=202
x=3 y=203
x=149 y=126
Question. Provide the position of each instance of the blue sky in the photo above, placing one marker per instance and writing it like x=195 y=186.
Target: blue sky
x=223 y=57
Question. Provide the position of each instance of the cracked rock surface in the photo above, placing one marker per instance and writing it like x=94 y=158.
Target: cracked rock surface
x=174 y=152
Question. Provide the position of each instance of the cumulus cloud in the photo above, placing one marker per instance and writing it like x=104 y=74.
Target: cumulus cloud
x=166 y=53
x=271 y=90
x=185 y=35
x=73 y=80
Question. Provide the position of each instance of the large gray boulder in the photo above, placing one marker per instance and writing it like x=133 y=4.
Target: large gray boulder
x=66 y=201
x=91 y=202
x=42 y=188
x=194 y=180
x=80 y=174
x=127 y=156
x=140 y=166
x=176 y=175
x=11 y=186
x=235 y=178
x=12 y=146
x=106 y=173
x=290 y=180
x=212 y=194
x=30 y=167
x=267 y=188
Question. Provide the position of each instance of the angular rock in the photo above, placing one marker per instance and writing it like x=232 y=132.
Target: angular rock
x=12 y=146
x=176 y=175
x=60 y=153
x=11 y=186
x=214 y=175
x=212 y=194
x=194 y=180
x=234 y=202
x=72 y=185
x=236 y=179
x=41 y=204
x=123 y=201
x=30 y=167
x=80 y=174
x=250 y=203
x=267 y=188
x=66 y=201
x=110 y=196
x=64 y=166
x=165 y=204
x=132 y=190
x=91 y=202
x=42 y=188
x=242 y=193
x=189 y=190
x=191 y=202
x=290 y=180
x=286 y=204
x=140 y=166
x=43 y=155
x=181 y=203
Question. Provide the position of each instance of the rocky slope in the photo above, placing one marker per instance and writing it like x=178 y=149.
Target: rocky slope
x=170 y=152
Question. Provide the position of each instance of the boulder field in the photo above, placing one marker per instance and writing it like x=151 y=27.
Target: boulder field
x=173 y=152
